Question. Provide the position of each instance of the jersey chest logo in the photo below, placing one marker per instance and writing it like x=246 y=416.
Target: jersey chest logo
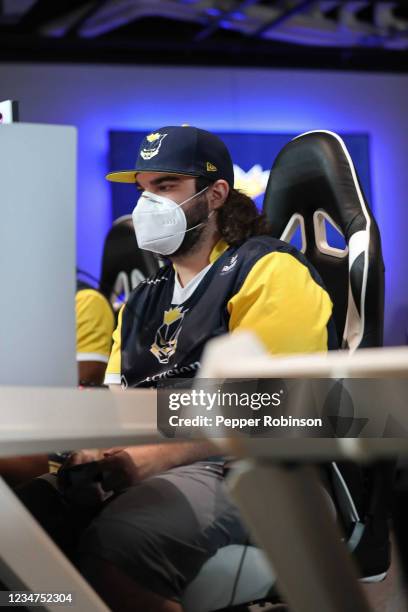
x=166 y=338
x=232 y=262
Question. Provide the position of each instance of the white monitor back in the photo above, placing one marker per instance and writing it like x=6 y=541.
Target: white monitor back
x=37 y=255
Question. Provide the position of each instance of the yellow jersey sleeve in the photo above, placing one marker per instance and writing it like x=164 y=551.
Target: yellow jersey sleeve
x=113 y=371
x=94 y=325
x=281 y=302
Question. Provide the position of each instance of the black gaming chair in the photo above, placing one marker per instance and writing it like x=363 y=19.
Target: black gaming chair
x=313 y=184
x=124 y=265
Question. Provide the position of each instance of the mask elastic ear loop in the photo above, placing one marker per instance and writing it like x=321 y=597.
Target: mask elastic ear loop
x=162 y=212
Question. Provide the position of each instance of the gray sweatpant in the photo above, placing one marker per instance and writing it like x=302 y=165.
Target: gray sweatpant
x=161 y=531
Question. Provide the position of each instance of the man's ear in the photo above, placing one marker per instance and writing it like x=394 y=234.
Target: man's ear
x=218 y=194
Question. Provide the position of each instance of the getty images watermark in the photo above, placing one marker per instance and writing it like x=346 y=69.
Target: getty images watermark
x=372 y=408
x=234 y=407
x=214 y=401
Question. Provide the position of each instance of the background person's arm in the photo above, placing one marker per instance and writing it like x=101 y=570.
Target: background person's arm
x=91 y=372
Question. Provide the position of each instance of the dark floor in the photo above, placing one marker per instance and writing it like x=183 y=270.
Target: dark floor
x=387 y=596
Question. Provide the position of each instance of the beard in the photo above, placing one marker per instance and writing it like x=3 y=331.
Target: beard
x=193 y=238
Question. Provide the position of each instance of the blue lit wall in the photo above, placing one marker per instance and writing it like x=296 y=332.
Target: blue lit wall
x=98 y=99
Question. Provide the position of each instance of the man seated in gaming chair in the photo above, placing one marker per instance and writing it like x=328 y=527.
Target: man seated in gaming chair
x=225 y=274
x=94 y=327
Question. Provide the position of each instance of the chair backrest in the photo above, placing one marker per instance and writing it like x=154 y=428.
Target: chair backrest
x=313 y=183
x=124 y=265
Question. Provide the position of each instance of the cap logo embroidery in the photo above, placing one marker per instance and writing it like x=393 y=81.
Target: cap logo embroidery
x=211 y=167
x=153 y=147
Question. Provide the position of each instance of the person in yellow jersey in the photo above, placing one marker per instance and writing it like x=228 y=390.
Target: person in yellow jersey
x=95 y=323
x=170 y=511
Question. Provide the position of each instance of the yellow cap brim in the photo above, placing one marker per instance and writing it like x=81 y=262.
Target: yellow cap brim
x=129 y=176
x=125 y=176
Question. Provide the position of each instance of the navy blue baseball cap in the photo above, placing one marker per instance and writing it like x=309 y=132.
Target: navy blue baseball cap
x=181 y=150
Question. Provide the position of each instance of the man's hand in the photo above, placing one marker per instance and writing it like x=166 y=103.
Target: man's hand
x=124 y=467
x=120 y=469
x=85 y=489
x=83 y=456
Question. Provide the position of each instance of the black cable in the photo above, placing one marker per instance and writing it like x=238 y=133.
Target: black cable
x=237 y=577
x=100 y=285
x=91 y=276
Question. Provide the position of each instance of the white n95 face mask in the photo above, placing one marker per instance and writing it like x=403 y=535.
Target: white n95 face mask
x=160 y=223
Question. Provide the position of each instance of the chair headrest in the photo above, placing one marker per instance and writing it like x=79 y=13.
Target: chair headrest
x=312 y=181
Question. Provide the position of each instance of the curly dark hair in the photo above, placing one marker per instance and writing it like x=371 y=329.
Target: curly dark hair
x=238 y=218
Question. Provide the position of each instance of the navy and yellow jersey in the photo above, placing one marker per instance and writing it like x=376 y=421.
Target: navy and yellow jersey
x=95 y=323
x=264 y=285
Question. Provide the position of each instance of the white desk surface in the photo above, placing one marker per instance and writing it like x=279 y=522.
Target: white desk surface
x=36 y=419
